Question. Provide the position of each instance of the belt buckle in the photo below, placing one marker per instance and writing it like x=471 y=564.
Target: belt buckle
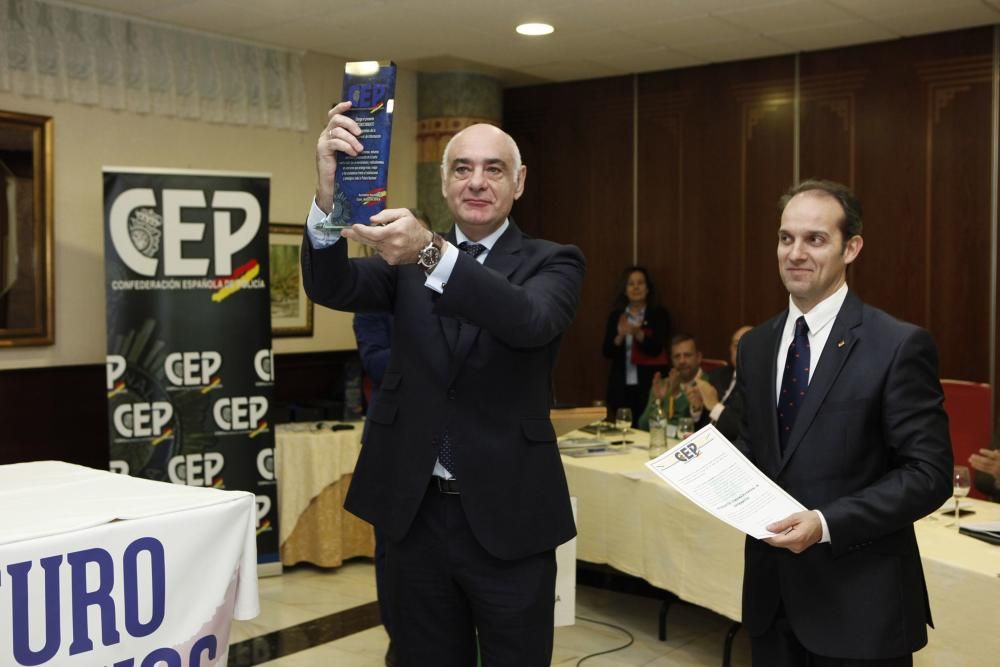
x=444 y=486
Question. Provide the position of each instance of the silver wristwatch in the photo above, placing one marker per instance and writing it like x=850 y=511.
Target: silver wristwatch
x=429 y=257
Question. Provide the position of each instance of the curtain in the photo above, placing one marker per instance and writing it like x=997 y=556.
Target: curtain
x=70 y=54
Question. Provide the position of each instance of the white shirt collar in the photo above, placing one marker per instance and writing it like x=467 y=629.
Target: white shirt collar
x=822 y=314
x=488 y=241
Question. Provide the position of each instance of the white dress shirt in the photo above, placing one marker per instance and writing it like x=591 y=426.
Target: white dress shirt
x=437 y=279
x=820 y=321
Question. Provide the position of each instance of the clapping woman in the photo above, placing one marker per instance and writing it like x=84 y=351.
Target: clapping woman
x=634 y=341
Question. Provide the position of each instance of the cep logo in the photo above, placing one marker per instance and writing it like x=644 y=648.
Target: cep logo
x=263 y=365
x=263 y=507
x=239 y=413
x=196 y=469
x=139 y=235
x=191 y=369
x=118 y=467
x=142 y=420
x=115 y=366
x=265 y=464
x=368 y=95
x=688 y=452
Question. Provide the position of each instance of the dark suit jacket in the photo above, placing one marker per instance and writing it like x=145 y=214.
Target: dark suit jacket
x=870 y=449
x=487 y=383
x=732 y=416
x=373 y=332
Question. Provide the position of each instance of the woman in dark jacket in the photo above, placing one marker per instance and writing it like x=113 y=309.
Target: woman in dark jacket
x=635 y=341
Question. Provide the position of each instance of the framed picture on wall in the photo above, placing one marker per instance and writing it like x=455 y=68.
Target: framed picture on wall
x=26 y=299
x=291 y=309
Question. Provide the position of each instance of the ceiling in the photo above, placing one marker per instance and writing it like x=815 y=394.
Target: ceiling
x=593 y=38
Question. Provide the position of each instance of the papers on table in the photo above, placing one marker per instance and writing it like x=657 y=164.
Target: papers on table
x=584 y=446
x=713 y=474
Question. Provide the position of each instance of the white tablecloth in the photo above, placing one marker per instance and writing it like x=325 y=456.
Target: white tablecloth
x=634 y=522
x=172 y=563
x=308 y=457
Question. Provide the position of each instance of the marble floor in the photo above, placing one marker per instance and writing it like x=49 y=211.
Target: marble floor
x=313 y=617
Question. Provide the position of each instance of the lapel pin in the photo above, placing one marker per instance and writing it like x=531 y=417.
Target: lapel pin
x=840 y=344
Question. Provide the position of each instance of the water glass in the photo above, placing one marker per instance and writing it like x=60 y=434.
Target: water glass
x=685 y=427
x=623 y=422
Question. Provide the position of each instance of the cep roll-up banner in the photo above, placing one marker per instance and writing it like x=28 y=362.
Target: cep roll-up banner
x=189 y=363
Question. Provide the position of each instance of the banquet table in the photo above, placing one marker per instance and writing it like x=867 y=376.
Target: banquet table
x=314 y=466
x=634 y=522
x=128 y=569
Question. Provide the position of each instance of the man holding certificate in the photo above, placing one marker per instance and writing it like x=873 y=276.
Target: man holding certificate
x=843 y=410
x=460 y=471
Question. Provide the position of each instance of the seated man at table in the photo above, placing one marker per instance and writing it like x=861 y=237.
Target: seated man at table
x=987 y=469
x=671 y=392
x=717 y=401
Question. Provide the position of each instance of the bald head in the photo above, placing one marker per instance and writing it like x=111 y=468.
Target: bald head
x=486 y=129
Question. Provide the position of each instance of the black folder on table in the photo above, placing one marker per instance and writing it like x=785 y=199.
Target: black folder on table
x=991 y=536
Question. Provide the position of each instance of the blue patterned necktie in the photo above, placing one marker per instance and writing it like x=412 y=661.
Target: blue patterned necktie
x=446 y=450
x=794 y=381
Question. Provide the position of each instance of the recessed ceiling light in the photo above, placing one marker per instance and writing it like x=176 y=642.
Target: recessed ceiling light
x=534 y=29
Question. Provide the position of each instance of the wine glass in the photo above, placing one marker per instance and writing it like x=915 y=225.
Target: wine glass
x=623 y=422
x=961 y=481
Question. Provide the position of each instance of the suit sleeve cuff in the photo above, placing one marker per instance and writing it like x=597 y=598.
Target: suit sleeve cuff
x=439 y=277
x=826 y=529
x=320 y=238
x=716 y=412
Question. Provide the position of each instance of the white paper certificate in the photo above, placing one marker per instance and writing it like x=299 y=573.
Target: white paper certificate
x=714 y=475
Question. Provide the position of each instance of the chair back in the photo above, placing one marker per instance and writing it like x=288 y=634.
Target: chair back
x=709 y=365
x=968 y=407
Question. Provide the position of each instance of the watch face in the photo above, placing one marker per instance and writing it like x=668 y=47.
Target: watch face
x=429 y=257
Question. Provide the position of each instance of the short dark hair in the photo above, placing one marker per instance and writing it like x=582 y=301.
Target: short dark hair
x=679 y=338
x=621 y=298
x=851 y=223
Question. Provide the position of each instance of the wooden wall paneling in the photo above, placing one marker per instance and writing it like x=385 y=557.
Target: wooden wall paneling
x=958 y=95
x=901 y=262
x=54 y=413
x=663 y=133
x=767 y=133
x=576 y=139
x=827 y=124
x=696 y=238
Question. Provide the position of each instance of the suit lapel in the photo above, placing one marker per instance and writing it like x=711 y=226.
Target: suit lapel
x=836 y=351
x=776 y=329
x=504 y=258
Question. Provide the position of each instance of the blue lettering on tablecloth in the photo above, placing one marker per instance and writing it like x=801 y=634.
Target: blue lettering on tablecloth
x=144 y=575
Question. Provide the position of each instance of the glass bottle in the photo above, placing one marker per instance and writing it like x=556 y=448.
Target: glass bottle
x=657 y=433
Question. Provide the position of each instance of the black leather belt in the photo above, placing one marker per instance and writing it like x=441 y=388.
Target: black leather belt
x=449 y=486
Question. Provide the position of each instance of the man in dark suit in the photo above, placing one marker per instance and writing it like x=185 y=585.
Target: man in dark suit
x=373 y=333
x=460 y=471
x=858 y=436
x=716 y=401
